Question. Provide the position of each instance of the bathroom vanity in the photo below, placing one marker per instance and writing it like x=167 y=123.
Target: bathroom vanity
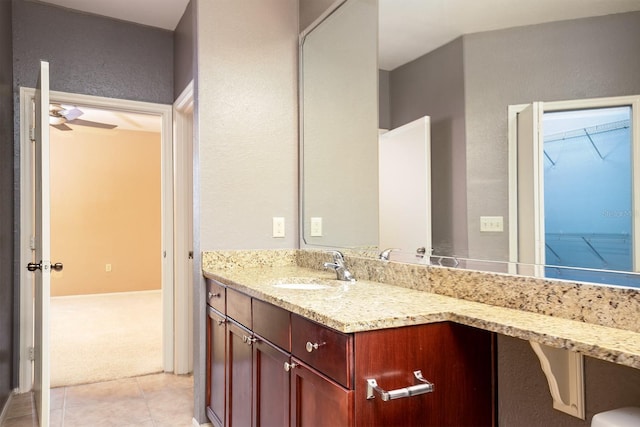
x=279 y=325
x=270 y=366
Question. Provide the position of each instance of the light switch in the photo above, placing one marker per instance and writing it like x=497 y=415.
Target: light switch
x=491 y=224
x=107 y=268
x=316 y=226
x=278 y=226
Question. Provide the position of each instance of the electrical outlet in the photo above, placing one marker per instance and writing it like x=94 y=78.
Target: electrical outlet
x=107 y=268
x=491 y=224
x=278 y=226
x=316 y=226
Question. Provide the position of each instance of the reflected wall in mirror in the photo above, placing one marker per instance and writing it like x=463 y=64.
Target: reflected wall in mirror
x=467 y=84
x=339 y=105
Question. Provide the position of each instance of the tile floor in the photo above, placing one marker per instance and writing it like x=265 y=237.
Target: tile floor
x=158 y=400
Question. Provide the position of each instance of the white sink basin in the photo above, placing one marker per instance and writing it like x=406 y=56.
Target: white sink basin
x=302 y=286
x=302 y=283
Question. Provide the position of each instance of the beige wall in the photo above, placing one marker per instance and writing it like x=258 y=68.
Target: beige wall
x=105 y=209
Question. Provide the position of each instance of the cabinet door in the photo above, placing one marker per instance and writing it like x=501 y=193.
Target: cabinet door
x=270 y=385
x=216 y=350
x=239 y=375
x=317 y=401
x=458 y=360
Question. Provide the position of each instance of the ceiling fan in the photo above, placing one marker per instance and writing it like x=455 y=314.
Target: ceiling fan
x=60 y=115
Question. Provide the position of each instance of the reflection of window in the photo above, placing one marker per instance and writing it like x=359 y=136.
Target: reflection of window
x=587 y=190
x=575 y=192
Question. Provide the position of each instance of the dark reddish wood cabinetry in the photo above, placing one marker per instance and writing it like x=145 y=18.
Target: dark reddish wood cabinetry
x=275 y=368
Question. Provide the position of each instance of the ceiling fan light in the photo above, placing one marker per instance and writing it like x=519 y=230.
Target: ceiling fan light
x=53 y=120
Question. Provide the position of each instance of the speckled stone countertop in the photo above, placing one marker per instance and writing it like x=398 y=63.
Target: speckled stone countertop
x=367 y=305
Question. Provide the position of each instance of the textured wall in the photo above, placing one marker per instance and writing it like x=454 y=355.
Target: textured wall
x=183 y=51
x=525 y=400
x=310 y=10
x=92 y=55
x=583 y=58
x=7 y=377
x=246 y=148
x=433 y=85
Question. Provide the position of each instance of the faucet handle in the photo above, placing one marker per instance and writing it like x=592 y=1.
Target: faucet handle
x=384 y=255
x=337 y=256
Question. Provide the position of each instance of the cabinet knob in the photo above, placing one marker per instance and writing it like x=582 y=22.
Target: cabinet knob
x=289 y=366
x=313 y=346
x=221 y=322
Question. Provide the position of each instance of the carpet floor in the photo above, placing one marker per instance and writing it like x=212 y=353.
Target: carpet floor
x=104 y=337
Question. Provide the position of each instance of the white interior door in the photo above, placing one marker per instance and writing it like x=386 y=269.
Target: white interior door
x=42 y=242
x=405 y=187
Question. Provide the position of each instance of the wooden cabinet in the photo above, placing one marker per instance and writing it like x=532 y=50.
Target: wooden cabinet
x=318 y=401
x=239 y=375
x=457 y=359
x=281 y=369
x=216 y=356
x=270 y=385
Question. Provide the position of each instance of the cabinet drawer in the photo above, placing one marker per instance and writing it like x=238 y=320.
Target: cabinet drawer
x=216 y=295
x=325 y=349
x=239 y=307
x=272 y=323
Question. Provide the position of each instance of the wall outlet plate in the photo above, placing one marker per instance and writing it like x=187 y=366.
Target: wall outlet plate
x=278 y=226
x=316 y=226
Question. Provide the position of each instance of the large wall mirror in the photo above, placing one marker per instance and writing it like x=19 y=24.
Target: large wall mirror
x=466 y=82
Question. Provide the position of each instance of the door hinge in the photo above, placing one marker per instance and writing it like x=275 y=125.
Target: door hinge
x=32 y=134
x=32 y=353
x=32 y=243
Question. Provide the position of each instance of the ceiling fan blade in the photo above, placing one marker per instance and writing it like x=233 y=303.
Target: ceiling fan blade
x=71 y=114
x=91 y=124
x=61 y=127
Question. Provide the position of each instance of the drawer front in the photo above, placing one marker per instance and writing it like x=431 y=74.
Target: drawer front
x=216 y=295
x=272 y=323
x=239 y=307
x=324 y=349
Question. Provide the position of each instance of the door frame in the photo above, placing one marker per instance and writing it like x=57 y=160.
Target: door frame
x=26 y=208
x=575 y=104
x=183 y=109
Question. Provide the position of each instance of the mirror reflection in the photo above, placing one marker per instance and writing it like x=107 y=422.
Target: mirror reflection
x=466 y=85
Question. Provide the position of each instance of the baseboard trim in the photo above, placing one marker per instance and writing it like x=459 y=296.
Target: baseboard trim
x=5 y=408
x=197 y=424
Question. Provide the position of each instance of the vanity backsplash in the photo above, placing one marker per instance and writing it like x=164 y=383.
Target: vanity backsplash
x=602 y=305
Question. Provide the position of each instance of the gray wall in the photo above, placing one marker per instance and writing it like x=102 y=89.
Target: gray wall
x=246 y=135
x=433 y=85
x=384 y=115
x=92 y=55
x=583 y=58
x=88 y=54
x=183 y=50
x=7 y=378
x=310 y=10
x=525 y=400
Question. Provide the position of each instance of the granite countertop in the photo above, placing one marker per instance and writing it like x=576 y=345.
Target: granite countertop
x=368 y=305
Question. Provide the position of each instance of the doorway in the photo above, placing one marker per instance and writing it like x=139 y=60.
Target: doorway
x=575 y=189
x=169 y=349
x=106 y=305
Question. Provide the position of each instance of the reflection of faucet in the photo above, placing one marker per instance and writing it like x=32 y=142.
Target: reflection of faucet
x=338 y=266
x=384 y=255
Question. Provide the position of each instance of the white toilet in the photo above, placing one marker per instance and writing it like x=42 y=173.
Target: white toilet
x=622 y=417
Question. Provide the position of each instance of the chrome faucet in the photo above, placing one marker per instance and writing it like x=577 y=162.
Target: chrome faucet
x=339 y=267
x=384 y=255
